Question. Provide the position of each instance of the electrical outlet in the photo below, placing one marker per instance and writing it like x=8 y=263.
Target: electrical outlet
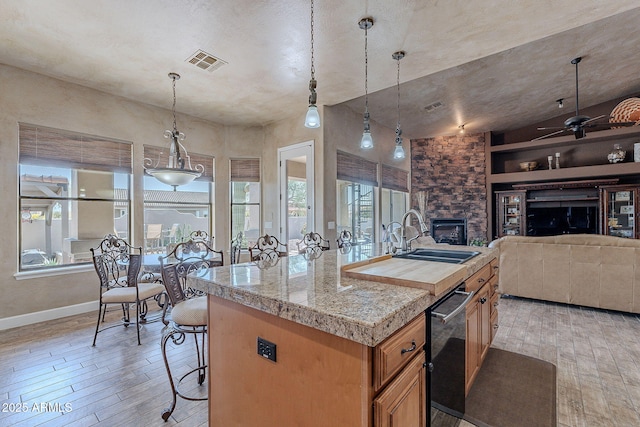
x=266 y=349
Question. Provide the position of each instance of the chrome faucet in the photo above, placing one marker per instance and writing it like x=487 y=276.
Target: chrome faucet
x=403 y=229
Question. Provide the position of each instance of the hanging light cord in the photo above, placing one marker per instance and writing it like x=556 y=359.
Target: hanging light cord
x=366 y=74
x=398 y=85
x=313 y=69
x=175 y=127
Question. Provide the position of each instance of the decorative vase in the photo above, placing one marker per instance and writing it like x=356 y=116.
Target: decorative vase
x=617 y=154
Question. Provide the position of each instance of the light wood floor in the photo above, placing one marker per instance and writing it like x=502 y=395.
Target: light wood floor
x=115 y=383
x=120 y=383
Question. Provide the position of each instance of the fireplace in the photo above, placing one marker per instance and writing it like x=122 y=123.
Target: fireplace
x=449 y=230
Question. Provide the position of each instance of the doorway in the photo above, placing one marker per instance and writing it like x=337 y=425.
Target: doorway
x=296 y=192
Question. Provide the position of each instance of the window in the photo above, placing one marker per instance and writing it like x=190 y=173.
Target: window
x=245 y=199
x=355 y=209
x=170 y=216
x=394 y=197
x=74 y=189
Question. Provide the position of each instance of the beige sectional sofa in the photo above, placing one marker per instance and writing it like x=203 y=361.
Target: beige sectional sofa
x=582 y=269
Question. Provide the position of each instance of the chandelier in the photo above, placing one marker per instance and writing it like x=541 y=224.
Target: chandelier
x=178 y=170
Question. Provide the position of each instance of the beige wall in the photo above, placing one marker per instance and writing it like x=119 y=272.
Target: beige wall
x=33 y=98
x=37 y=99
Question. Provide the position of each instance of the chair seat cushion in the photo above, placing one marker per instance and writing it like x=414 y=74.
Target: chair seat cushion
x=190 y=312
x=148 y=290
x=118 y=295
x=128 y=294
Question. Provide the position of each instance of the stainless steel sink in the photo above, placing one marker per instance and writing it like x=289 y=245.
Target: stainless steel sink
x=438 y=255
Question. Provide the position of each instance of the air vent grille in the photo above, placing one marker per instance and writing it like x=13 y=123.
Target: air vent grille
x=205 y=61
x=432 y=107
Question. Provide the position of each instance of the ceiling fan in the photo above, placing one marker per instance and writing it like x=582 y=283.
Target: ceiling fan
x=578 y=123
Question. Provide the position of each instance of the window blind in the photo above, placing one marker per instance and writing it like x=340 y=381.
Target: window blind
x=395 y=179
x=245 y=170
x=154 y=153
x=42 y=146
x=356 y=169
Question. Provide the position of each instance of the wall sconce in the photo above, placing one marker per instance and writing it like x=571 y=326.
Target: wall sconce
x=461 y=128
x=560 y=102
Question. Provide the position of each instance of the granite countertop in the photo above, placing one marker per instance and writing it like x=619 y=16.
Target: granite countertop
x=312 y=292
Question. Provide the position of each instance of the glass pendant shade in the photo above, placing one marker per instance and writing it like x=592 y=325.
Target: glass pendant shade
x=367 y=141
x=173 y=177
x=398 y=153
x=313 y=118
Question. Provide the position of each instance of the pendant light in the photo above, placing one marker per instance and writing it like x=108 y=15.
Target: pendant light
x=366 y=142
x=178 y=170
x=312 y=120
x=398 y=153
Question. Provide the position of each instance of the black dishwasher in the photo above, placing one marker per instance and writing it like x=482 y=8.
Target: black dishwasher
x=446 y=321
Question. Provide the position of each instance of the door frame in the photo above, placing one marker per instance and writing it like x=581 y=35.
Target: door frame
x=286 y=153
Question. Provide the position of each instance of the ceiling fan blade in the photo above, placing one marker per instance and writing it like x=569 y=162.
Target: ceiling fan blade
x=594 y=119
x=552 y=127
x=549 y=134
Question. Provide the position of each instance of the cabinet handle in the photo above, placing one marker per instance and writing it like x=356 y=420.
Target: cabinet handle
x=481 y=280
x=495 y=267
x=413 y=347
x=483 y=300
x=495 y=326
x=495 y=304
x=495 y=287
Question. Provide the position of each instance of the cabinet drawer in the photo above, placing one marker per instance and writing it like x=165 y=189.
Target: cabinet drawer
x=494 y=324
x=493 y=286
x=478 y=279
x=495 y=301
x=494 y=266
x=391 y=355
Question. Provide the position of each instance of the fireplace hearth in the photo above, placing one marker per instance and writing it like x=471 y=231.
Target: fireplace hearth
x=449 y=230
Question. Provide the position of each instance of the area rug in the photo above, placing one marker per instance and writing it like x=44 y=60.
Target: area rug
x=513 y=390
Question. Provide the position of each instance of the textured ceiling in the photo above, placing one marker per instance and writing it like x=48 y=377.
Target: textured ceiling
x=495 y=64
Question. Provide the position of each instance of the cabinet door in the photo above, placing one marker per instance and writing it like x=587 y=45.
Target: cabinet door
x=472 y=359
x=510 y=207
x=619 y=206
x=485 y=321
x=404 y=401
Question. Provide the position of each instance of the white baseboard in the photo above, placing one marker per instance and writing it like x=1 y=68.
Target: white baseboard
x=45 y=315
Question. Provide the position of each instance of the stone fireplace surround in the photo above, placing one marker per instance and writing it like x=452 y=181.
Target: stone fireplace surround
x=448 y=175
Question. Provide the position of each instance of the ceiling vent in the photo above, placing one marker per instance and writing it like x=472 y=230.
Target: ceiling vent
x=205 y=61
x=432 y=107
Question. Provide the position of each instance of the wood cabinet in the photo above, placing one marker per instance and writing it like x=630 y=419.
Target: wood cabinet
x=318 y=379
x=511 y=212
x=400 y=377
x=404 y=401
x=482 y=319
x=619 y=210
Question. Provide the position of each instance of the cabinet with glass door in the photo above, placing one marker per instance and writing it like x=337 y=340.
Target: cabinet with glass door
x=511 y=212
x=620 y=210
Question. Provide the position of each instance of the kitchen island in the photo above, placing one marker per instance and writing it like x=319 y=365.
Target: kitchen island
x=330 y=336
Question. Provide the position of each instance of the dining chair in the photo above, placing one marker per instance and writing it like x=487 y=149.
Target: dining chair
x=268 y=248
x=117 y=264
x=153 y=237
x=188 y=311
x=201 y=235
x=236 y=248
x=344 y=239
x=189 y=257
x=312 y=241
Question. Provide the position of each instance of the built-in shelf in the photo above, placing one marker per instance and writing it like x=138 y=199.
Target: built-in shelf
x=582 y=158
x=595 y=171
